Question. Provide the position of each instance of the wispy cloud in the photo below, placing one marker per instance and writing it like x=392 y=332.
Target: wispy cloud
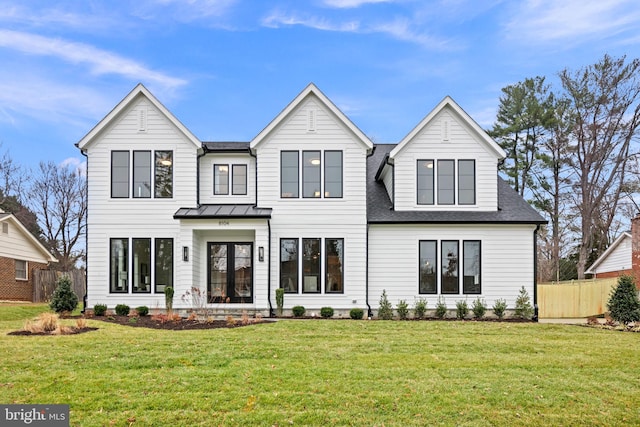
x=99 y=61
x=278 y=19
x=573 y=20
x=347 y=4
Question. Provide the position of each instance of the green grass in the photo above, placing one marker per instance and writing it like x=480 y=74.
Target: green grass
x=347 y=372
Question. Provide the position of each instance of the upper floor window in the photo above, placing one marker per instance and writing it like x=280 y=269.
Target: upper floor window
x=21 y=270
x=317 y=182
x=239 y=180
x=141 y=174
x=444 y=180
x=222 y=181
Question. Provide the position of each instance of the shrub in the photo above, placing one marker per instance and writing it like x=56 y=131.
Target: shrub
x=99 y=309
x=48 y=321
x=462 y=309
x=63 y=297
x=403 y=309
x=441 y=308
x=385 y=310
x=499 y=308
x=479 y=308
x=280 y=300
x=523 y=309
x=122 y=310
x=356 y=313
x=143 y=310
x=168 y=297
x=623 y=304
x=326 y=312
x=420 y=308
x=298 y=310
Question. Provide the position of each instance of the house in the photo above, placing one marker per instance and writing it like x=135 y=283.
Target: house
x=20 y=254
x=310 y=205
x=622 y=257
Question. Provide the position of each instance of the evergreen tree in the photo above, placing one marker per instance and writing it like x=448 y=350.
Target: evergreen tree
x=624 y=305
x=385 y=309
x=64 y=299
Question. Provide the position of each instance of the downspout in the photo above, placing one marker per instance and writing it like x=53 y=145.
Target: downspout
x=204 y=152
x=366 y=245
x=86 y=238
x=535 y=273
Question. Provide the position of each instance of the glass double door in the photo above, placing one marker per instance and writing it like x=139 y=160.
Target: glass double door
x=230 y=272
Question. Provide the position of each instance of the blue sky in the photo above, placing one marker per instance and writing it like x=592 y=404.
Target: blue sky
x=225 y=68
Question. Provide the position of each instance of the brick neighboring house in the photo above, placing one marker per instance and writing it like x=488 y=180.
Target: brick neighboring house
x=20 y=254
x=621 y=257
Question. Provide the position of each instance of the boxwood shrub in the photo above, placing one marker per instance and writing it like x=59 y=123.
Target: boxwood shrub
x=298 y=311
x=122 y=310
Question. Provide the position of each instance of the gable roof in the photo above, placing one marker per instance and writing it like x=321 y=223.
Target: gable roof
x=512 y=209
x=311 y=89
x=139 y=90
x=7 y=217
x=448 y=102
x=621 y=238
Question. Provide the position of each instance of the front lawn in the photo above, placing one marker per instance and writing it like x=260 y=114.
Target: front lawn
x=317 y=372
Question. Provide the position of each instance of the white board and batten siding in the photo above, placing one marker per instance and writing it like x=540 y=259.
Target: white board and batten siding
x=317 y=217
x=506 y=261
x=207 y=163
x=140 y=126
x=458 y=142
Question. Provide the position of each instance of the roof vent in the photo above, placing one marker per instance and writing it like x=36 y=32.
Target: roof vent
x=5 y=228
x=142 y=120
x=445 y=130
x=311 y=120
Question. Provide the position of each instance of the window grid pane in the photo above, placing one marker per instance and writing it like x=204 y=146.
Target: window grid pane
x=333 y=174
x=311 y=174
x=221 y=179
x=334 y=265
x=243 y=271
x=449 y=277
x=119 y=174
x=425 y=182
x=289 y=265
x=141 y=266
x=471 y=281
x=239 y=179
x=466 y=182
x=163 y=185
x=163 y=264
x=142 y=174
x=428 y=267
x=289 y=174
x=311 y=266
x=446 y=182
x=119 y=265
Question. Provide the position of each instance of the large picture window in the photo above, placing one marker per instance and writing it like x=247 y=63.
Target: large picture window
x=428 y=260
x=289 y=265
x=446 y=182
x=311 y=265
x=289 y=174
x=333 y=174
x=425 y=182
x=164 y=264
x=239 y=179
x=119 y=174
x=449 y=277
x=220 y=179
x=142 y=174
x=163 y=187
x=334 y=258
x=311 y=174
x=466 y=182
x=141 y=265
x=471 y=283
x=119 y=261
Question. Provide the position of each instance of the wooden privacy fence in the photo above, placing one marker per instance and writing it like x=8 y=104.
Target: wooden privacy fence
x=575 y=298
x=44 y=283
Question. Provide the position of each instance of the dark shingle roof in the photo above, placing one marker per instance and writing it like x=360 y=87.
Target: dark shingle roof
x=512 y=208
x=225 y=146
x=223 y=211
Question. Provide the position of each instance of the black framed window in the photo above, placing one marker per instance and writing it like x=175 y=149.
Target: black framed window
x=449 y=274
x=119 y=265
x=239 y=179
x=446 y=182
x=311 y=174
x=333 y=174
x=333 y=265
x=141 y=265
x=163 y=174
x=466 y=182
x=425 y=182
x=221 y=179
x=471 y=278
x=428 y=267
x=142 y=174
x=289 y=174
x=289 y=265
x=119 y=174
x=311 y=265
x=163 y=274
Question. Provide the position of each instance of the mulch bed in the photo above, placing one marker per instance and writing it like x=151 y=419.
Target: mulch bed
x=73 y=331
x=174 y=325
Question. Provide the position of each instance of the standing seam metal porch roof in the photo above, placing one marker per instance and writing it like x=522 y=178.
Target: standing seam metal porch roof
x=223 y=211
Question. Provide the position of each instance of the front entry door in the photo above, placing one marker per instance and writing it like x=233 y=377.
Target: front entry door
x=230 y=272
